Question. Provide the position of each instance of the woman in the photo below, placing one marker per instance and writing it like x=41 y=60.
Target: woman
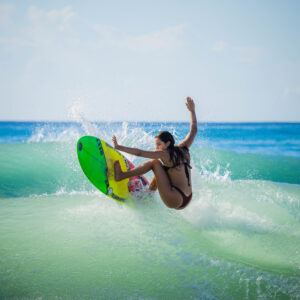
x=172 y=178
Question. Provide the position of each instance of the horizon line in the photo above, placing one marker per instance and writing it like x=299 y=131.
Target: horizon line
x=144 y=121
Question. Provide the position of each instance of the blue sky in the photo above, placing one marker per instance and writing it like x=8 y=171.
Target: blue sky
x=138 y=60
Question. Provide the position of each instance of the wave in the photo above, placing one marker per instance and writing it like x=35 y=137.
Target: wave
x=46 y=161
x=247 y=166
x=240 y=233
x=38 y=168
x=238 y=237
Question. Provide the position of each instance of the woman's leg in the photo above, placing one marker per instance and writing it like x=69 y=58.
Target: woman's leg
x=168 y=194
x=139 y=170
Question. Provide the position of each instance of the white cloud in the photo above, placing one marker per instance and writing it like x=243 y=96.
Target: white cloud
x=15 y=42
x=294 y=91
x=245 y=54
x=45 y=28
x=170 y=37
x=106 y=30
x=60 y=18
x=249 y=54
x=6 y=11
x=50 y=29
x=219 y=46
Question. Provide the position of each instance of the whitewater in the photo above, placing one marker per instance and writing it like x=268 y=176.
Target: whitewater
x=239 y=238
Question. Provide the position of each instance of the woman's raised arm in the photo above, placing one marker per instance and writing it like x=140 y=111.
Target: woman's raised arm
x=187 y=142
x=139 y=152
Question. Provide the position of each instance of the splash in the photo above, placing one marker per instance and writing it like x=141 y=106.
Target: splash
x=66 y=132
x=213 y=173
x=51 y=132
x=76 y=114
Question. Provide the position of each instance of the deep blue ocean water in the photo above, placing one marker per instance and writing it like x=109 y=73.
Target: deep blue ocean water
x=239 y=238
x=263 y=138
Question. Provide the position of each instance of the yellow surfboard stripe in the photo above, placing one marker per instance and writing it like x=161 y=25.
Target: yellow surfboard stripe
x=118 y=190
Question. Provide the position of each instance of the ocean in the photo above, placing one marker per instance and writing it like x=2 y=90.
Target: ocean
x=239 y=238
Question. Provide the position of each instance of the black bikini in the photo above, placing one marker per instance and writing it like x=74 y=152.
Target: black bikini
x=185 y=199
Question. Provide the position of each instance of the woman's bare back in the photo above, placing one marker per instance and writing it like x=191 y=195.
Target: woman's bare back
x=177 y=174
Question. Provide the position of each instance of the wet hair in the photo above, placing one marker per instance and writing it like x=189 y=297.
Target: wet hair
x=177 y=156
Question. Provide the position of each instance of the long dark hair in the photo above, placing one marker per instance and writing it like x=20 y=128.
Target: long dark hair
x=177 y=156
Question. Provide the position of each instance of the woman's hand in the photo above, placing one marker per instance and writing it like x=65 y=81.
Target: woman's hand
x=187 y=142
x=190 y=104
x=114 y=139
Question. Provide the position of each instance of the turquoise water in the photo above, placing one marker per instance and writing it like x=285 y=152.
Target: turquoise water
x=238 y=239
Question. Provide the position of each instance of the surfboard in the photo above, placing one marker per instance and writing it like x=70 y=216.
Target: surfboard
x=97 y=158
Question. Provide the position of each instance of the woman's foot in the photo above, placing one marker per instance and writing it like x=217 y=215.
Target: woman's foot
x=118 y=171
x=153 y=185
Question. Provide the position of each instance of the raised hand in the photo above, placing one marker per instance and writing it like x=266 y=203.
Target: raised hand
x=114 y=139
x=190 y=104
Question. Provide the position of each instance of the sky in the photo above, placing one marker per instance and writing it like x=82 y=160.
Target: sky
x=138 y=60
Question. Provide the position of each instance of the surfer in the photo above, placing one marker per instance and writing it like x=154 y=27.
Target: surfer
x=170 y=164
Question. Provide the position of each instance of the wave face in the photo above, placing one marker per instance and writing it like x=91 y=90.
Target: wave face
x=239 y=238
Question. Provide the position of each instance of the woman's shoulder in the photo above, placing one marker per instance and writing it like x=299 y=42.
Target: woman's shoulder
x=184 y=148
x=185 y=151
x=165 y=155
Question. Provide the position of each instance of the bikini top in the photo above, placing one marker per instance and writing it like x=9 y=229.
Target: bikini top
x=186 y=167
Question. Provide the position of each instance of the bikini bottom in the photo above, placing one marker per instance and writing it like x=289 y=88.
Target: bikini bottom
x=185 y=199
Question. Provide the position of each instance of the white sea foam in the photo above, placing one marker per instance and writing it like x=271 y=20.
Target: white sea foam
x=48 y=133
x=51 y=132
x=208 y=214
x=62 y=191
x=214 y=174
